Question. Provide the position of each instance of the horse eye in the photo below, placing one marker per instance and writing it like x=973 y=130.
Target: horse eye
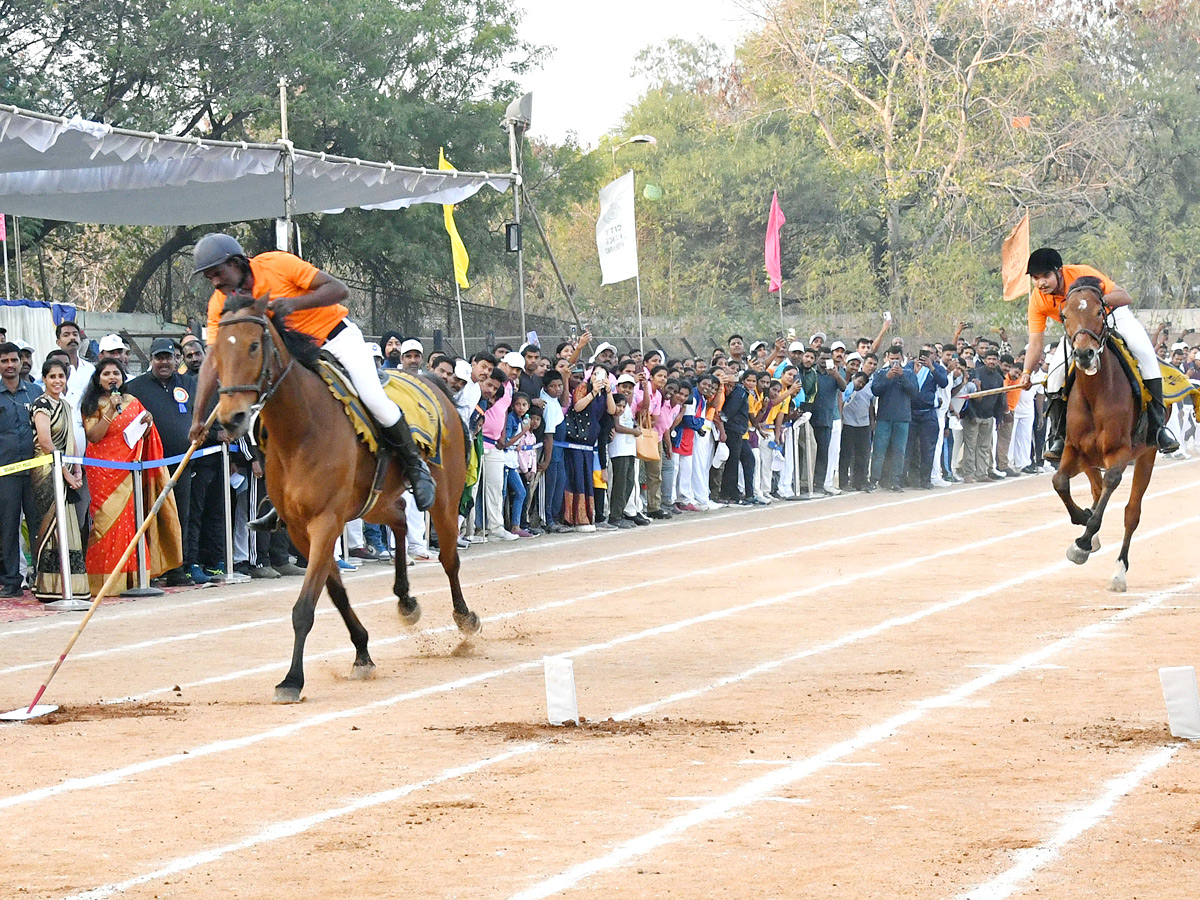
x=254 y=347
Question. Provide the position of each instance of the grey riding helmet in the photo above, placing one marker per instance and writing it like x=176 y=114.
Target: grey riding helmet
x=213 y=250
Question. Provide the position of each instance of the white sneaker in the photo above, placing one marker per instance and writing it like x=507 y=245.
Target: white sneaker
x=713 y=504
x=503 y=535
x=478 y=538
x=940 y=482
x=587 y=529
x=421 y=554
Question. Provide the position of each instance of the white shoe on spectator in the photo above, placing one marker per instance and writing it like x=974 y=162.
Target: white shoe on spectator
x=585 y=528
x=421 y=554
x=764 y=498
x=478 y=538
x=940 y=482
x=713 y=504
x=503 y=535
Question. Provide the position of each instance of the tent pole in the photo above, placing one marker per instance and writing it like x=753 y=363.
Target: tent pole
x=288 y=166
x=462 y=334
x=516 y=186
x=7 y=290
x=17 y=250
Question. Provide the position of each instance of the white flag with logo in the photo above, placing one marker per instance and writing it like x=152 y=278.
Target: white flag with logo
x=616 y=235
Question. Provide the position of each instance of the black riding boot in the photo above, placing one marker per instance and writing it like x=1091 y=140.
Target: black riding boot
x=419 y=479
x=1056 y=428
x=1156 y=425
x=268 y=521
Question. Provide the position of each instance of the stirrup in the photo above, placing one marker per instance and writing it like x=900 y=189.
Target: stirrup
x=1166 y=441
x=268 y=521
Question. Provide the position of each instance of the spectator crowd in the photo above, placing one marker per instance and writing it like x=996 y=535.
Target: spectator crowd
x=581 y=439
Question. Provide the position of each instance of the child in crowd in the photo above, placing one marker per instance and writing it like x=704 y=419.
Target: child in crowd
x=622 y=454
x=516 y=426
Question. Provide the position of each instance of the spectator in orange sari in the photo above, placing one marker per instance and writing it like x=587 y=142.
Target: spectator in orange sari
x=110 y=419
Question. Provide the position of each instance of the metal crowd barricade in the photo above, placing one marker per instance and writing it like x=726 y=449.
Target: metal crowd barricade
x=143 y=589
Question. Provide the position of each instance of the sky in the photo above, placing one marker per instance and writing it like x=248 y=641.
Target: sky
x=586 y=85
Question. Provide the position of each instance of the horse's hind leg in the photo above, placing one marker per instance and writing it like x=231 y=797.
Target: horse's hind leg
x=408 y=607
x=1079 y=550
x=445 y=522
x=317 y=547
x=1142 y=470
x=363 y=668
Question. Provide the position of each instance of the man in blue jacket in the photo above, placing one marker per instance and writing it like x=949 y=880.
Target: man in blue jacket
x=923 y=432
x=895 y=387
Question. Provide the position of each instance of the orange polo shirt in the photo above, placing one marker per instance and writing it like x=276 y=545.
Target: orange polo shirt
x=1013 y=397
x=283 y=274
x=1049 y=306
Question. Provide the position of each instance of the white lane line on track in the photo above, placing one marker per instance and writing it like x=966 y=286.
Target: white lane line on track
x=118 y=614
x=759 y=790
x=293 y=827
x=115 y=776
x=496 y=617
x=1074 y=825
x=767 y=785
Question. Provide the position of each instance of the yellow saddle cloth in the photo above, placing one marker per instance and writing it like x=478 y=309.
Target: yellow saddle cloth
x=416 y=399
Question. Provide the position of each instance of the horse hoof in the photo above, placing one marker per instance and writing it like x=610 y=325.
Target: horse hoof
x=409 y=615
x=1117 y=584
x=286 y=695
x=467 y=623
x=1095 y=542
x=363 y=673
x=1077 y=554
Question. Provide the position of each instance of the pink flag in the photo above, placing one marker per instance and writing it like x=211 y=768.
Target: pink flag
x=3 y=230
x=774 y=223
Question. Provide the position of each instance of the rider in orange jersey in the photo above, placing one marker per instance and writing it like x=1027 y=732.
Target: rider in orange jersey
x=310 y=301
x=1051 y=280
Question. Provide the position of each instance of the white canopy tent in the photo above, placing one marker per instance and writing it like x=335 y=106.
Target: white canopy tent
x=80 y=171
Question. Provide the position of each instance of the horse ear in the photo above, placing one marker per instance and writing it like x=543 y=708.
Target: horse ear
x=261 y=304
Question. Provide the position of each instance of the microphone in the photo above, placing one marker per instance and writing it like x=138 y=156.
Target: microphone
x=116 y=398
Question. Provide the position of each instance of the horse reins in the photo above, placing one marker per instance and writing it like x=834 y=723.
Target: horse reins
x=265 y=387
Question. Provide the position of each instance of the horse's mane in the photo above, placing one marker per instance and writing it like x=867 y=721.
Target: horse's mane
x=1088 y=282
x=302 y=347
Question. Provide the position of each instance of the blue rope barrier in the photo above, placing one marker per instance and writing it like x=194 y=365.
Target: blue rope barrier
x=136 y=466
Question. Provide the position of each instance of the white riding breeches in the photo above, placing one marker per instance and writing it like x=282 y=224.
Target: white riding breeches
x=1124 y=322
x=349 y=348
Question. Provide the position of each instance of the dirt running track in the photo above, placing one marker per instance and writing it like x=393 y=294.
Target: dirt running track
x=871 y=696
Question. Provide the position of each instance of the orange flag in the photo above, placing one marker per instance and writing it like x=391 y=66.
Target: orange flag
x=1014 y=259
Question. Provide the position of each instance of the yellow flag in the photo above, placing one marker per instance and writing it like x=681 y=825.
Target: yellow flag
x=461 y=260
x=1014 y=257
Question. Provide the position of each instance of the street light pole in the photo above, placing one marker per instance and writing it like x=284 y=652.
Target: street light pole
x=516 y=119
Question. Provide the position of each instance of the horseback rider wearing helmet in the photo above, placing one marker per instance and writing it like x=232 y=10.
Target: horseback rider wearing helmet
x=310 y=300
x=1051 y=279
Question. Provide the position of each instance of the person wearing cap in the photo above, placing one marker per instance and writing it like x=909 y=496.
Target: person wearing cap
x=376 y=353
x=795 y=357
x=309 y=301
x=816 y=342
x=412 y=355
x=169 y=396
x=113 y=346
x=25 y=351
x=1051 y=281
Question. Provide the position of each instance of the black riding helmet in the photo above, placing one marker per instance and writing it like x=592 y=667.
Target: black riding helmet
x=1044 y=261
x=213 y=250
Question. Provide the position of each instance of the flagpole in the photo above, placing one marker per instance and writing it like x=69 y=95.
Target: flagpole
x=641 y=340
x=781 y=303
x=462 y=334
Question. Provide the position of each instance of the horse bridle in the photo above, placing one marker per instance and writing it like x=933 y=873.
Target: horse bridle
x=266 y=386
x=1101 y=338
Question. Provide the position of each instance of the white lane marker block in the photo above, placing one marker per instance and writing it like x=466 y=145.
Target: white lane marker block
x=561 y=703
x=1183 y=700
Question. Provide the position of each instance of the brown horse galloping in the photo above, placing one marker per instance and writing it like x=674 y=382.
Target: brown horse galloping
x=1101 y=415
x=319 y=474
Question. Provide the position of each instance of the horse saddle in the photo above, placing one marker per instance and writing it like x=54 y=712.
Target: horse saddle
x=416 y=399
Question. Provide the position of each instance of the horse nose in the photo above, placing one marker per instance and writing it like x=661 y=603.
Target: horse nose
x=1084 y=357
x=235 y=423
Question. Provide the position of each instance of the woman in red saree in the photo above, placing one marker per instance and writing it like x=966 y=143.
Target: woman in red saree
x=120 y=429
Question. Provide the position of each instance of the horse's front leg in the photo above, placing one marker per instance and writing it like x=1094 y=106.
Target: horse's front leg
x=1069 y=466
x=320 y=538
x=1082 y=547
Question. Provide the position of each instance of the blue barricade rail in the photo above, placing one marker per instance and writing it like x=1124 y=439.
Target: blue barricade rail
x=137 y=466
